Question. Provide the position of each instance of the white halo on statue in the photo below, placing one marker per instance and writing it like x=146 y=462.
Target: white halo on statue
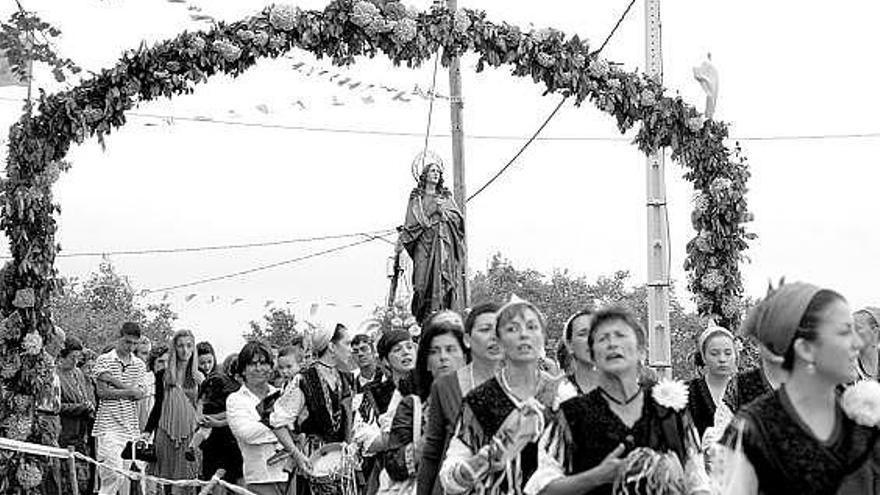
x=423 y=159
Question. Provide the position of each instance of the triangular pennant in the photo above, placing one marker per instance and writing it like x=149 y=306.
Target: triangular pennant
x=237 y=300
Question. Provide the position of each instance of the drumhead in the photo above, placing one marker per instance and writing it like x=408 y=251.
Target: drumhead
x=327 y=460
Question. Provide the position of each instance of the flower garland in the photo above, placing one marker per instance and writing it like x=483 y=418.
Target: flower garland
x=344 y=30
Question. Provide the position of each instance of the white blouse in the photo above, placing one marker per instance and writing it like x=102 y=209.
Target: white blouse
x=256 y=441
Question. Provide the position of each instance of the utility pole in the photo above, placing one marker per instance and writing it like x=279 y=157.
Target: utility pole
x=659 y=343
x=456 y=105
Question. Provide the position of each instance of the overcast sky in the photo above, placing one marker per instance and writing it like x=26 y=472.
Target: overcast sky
x=786 y=68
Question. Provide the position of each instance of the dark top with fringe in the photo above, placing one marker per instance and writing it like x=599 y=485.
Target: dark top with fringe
x=700 y=404
x=788 y=458
x=329 y=410
x=586 y=430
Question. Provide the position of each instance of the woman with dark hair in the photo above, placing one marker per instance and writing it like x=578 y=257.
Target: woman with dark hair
x=77 y=406
x=256 y=440
x=494 y=448
x=174 y=418
x=441 y=352
x=717 y=353
x=620 y=416
x=376 y=406
x=447 y=392
x=433 y=235
x=219 y=449
x=803 y=438
x=207 y=358
x=583 y=375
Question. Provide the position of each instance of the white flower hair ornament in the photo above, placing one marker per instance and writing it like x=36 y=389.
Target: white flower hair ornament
x=564 y=391
x=672 y=394
x=861 y=402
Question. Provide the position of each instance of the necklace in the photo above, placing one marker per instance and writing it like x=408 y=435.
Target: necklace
x=506 y=383
x=625 y=402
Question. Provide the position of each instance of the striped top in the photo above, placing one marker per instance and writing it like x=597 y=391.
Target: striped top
x=119 y=416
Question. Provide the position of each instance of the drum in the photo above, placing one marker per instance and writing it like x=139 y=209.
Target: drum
x=328 y=470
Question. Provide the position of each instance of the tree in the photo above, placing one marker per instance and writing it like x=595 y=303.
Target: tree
x=563 y=294
x=277 y=329
x=94 y=310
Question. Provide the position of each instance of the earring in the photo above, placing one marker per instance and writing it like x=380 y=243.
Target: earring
x=811 y=367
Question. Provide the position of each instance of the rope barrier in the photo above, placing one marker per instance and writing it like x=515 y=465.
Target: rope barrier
x=34 y=448
x=59 y=453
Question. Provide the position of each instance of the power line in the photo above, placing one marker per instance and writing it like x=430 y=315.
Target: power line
x=260 y=268
x=370 y=234
x=518 y=153
x=614 y=29
x=492 y=137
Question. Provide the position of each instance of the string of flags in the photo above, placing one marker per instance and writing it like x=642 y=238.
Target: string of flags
x=195 y=12
x=361 y=92
x=195 y=298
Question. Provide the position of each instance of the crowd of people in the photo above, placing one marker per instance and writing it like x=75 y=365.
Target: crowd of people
x=474 y=405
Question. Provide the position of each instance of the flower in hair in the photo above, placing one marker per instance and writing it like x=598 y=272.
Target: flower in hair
x=672 y=394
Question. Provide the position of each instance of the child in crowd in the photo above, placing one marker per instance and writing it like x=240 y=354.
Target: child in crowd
x=288 y=367
x=289 y=363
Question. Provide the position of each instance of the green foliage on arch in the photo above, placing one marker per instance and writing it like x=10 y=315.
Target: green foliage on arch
x=343 y=31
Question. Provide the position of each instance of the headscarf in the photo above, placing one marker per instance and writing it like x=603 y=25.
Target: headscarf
x=775 y=320
x=390 y=339
x=322 y=334
x=712 y=331
x=873 y=312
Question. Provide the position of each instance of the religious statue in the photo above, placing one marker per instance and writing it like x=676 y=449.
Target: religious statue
x=433 y=235
x=707 y=76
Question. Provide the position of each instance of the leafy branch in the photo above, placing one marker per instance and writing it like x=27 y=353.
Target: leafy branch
x=26 y=38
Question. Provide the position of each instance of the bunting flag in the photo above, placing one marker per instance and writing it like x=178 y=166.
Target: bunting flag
x=194 y=298
x=364 y=92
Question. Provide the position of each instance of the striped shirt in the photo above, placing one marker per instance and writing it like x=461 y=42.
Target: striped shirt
x=119 y=416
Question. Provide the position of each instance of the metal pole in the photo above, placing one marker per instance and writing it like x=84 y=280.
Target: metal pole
x=659 y=344
x=456 y=105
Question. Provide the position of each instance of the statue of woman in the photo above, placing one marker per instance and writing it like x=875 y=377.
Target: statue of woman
x=433 y=235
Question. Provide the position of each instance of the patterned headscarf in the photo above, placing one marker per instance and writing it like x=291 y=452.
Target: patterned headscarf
x=322 y=334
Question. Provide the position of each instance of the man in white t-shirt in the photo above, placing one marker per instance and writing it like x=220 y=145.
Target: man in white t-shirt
x=119 y=376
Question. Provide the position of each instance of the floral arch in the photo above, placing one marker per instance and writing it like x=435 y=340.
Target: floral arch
x=344 y=30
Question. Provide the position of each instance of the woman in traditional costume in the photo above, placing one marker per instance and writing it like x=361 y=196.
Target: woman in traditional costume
x=494 y=449
x=376 y=406
x=433 y=235
x=867 y=321
x=802 y=438
x=717 y=354
x=447 y=392
x=319 y=402
x=583 y=375
x=581 y=448
x=441 y=352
